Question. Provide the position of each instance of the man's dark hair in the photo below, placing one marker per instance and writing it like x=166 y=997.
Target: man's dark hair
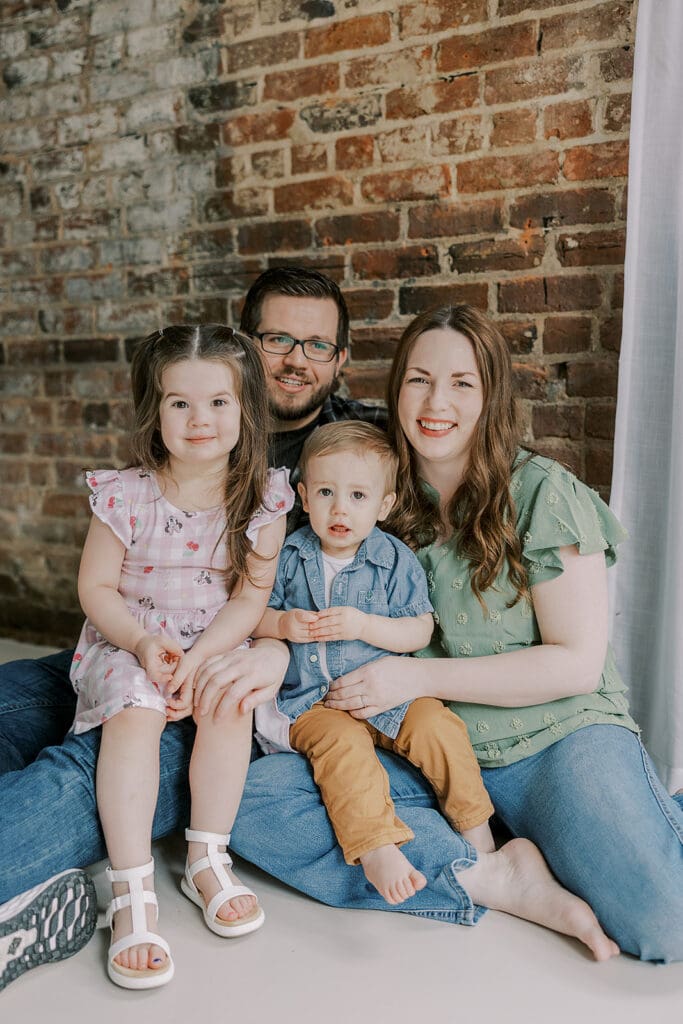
x=298 y=282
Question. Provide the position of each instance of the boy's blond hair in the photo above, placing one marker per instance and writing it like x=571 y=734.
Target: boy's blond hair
x=351 y=436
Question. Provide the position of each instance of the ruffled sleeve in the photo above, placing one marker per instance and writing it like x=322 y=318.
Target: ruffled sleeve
x=108 y=503
x=555 y=510
x=277 y=502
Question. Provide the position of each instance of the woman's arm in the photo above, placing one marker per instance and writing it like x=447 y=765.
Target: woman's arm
x=571 y=611
x=98 y=582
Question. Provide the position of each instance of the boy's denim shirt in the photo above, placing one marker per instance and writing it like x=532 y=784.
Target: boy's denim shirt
x=385 y=578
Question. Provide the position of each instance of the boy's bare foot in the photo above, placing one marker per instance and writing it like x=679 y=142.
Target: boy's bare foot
x=392 y=874
x=145 y=956
x=209 y=884
x=517 y=880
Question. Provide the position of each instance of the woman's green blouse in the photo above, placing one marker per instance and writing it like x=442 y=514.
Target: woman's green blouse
x=553 y=510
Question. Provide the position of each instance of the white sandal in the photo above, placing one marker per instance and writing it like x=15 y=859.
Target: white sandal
x=136 y=898
x=216 y=861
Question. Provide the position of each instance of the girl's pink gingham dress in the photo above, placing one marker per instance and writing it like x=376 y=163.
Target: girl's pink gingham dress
x=171 y=580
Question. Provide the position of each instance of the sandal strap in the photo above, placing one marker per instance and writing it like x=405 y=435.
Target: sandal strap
x=194 y=835
x=120 y=902
x=213 y=861
x=130 y=874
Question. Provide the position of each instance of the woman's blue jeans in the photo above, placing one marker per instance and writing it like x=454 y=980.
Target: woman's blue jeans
x=591 y=802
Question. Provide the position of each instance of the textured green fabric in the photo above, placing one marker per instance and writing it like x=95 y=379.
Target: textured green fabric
x=554 y=510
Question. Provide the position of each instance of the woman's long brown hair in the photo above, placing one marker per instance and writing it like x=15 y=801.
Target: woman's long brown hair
x=481 y=512
x=247 y=463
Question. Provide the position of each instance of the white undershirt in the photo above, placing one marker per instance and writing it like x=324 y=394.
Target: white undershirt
x=332 y=567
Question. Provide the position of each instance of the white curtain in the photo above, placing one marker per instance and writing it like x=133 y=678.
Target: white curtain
x=647 y=488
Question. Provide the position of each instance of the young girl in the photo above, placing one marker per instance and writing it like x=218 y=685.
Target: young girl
x=177 y=567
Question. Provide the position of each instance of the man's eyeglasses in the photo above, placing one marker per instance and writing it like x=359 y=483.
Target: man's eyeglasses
x=283 y=344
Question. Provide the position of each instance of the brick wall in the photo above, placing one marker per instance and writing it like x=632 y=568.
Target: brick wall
x=155 y=155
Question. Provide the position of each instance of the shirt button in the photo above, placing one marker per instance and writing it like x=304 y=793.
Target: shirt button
x=314 y=657
x=323 y=690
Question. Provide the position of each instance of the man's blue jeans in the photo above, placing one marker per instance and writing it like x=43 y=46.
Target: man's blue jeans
x=591 y=802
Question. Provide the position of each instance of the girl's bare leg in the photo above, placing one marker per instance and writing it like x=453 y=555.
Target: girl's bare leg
x=517 y=880
x=127 y=788
x=218 y=768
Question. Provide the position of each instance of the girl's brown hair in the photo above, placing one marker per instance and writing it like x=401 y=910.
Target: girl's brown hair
x=481 y=512
x=247 y=463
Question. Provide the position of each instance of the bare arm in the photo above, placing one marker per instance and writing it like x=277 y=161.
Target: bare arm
x=401 y=635
x=572 y=616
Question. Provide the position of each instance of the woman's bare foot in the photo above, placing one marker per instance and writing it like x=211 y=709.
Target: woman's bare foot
x=144 y=956
x=392 y=874
x=517 y=880
x=239 y=907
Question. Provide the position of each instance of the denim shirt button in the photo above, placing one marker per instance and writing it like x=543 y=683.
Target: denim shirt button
x=323 y=690
x=314 y=658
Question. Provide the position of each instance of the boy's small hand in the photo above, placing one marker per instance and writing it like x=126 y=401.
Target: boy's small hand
x=338 y=624
x=296 y=625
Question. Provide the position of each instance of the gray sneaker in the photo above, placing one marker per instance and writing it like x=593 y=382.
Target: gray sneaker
x=49 y=922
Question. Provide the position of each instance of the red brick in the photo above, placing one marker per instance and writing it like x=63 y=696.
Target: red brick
x=437 y=97
x=555 y=209
x=610 y=333
x=354 y=152
x=65 y=505
x=531 y=80
x=565 y=452
x=617 y=116
x=366 y=381
x=413 y=299
x=264 y=127
x=549 y=294
x=530 y=381
x=591 y=248
x=317 y=194
x=368 y=343
x=268 y=163
x=418 y=19
x=332 y=264
x=416 y=183
x=558 y=421
x=600 y=419
x=618 y=291
x=406 y=261
x=513 y=127
x=519 y=334
x=263 y=53
x=566 y=334
x=568 y=120
x=403 y=144
x=494 y=173
x=225 y=205
x=507 y=7
x=439 y=220
x=457 y=135
x=595 y=379
x=91 y=350
x=32 y=353
x=402 y=65
x=599 y=457
x=369 y=303
x=604 y=160
x=488 y=254
x=462 y=52
x=352 y=34
x=358 y=228
x=13 y=443
x=309 y=81
x=309 y=157
x=274 y=236
x=617 y=64
x=570 y=31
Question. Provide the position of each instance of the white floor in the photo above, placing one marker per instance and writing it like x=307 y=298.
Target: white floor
x=310 y=963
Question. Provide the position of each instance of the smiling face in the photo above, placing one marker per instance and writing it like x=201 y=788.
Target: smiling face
x=440 y=401
x=199 y=413
x=297 y=386
x=344 y=494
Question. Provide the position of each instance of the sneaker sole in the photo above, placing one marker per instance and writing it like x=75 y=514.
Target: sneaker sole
x=55 y=921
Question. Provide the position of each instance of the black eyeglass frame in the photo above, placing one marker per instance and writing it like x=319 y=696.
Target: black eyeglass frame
x=280 y=350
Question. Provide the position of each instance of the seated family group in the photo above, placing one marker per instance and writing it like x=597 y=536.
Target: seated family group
x=291 y=572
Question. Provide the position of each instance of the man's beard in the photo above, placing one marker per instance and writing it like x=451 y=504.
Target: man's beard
x=286 y=410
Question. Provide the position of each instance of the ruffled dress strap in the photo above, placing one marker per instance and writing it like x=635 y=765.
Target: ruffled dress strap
x=556 y=510
x=108 y=502
x=278 y=500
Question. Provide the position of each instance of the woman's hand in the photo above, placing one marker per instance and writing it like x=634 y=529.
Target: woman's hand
x=376 y=687
x=243 y=678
